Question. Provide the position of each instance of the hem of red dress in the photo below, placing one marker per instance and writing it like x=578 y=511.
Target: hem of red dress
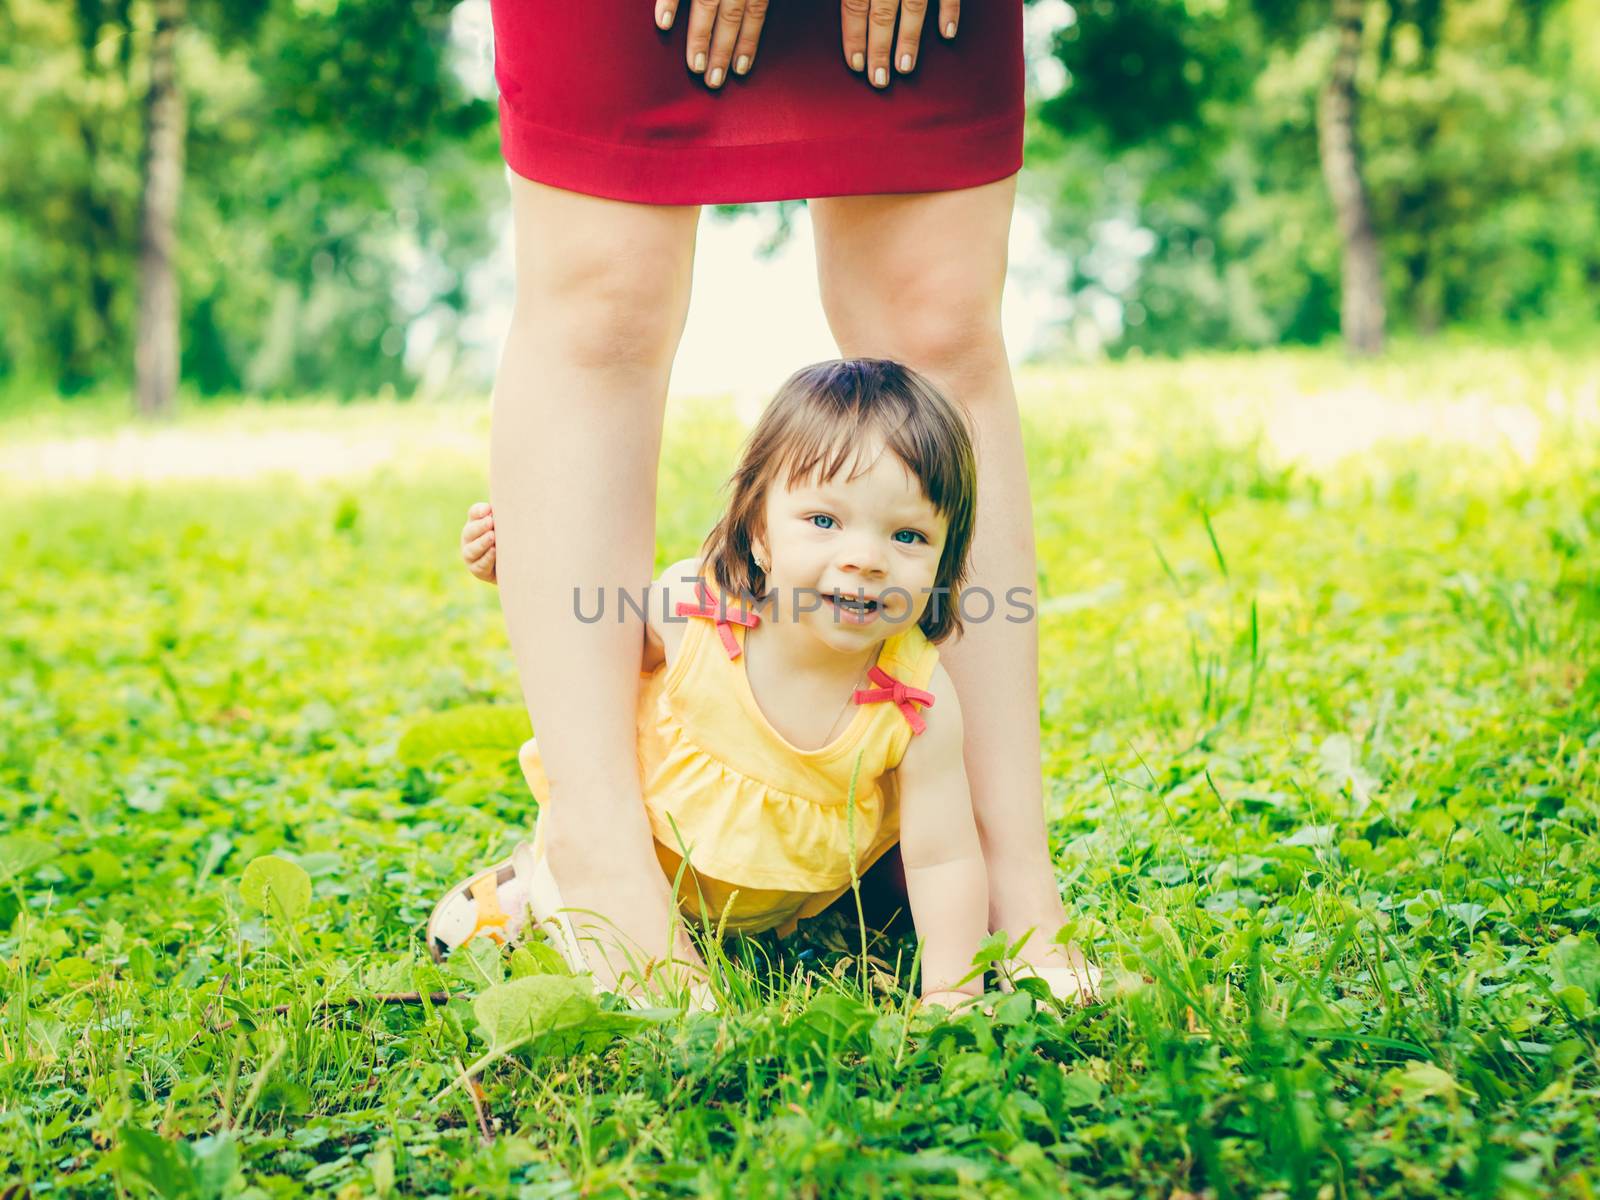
x=936 y=160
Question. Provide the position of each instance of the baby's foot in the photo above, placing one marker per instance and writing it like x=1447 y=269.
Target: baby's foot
x=1068 y=973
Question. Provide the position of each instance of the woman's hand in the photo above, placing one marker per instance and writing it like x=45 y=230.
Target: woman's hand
x=720 y=32
x=869 y=34
x=477 y=542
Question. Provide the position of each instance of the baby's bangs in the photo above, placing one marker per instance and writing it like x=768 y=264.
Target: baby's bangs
x=928 y=451
x=820 y=449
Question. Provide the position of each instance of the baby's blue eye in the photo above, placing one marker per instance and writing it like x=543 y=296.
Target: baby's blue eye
x=914 y=534
x=821 y=517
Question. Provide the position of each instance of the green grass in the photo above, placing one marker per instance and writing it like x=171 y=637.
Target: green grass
x=1320 y=683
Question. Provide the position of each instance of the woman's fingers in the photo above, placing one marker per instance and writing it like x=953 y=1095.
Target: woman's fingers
x=744 y=52
x=702 y=20
x=869 y=35
x=666 y=11
x=729 y=17
x=912 y=15
x=949 y=17
x=723 y=34
x=853 y=16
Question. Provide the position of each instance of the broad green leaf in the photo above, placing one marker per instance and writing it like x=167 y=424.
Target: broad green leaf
x=1311 y=835
x=1575 y=962
x=513 y=1013
x=381 y=1163
x=478 y=963
x=1421 y=1079
x=537 y=958
x=276 y=887
x=216 y=1162
x=20 y=853
x=499 y=728
x=1080 y=1089
x=161 y=1166
x=1341 y=767
x=393 y=976
x=1468 y=913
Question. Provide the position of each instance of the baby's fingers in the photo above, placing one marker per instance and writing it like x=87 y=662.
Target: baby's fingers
x=474 y=551
x=484 y=569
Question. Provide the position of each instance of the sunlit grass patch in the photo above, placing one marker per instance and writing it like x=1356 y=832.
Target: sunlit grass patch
x=1323 y=776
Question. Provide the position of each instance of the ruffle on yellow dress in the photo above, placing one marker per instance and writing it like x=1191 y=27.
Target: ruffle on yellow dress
x=768 y=828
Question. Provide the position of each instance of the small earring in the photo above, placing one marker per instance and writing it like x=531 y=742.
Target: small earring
x=764 y=567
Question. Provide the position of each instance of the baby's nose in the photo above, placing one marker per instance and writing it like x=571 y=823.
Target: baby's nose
x=867 y=557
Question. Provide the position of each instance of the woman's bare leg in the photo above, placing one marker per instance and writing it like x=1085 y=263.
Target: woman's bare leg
x=918 y=278
x=602 y=296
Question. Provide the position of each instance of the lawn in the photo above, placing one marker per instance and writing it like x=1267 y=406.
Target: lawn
x=1321 y=700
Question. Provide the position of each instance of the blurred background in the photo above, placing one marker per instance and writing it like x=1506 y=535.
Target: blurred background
x=208 y=199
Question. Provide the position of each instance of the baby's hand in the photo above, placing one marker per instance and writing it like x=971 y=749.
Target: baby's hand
x=477 y=542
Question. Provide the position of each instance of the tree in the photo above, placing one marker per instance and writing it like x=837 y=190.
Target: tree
x=1361 y=305
x=155 y=351
x=1304 y=169
x=256 y=195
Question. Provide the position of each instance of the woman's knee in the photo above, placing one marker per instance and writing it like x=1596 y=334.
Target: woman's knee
x=601 y=317
x=941 y=320
x=606 y=282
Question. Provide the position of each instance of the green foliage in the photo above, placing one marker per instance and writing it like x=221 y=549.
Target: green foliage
x=338 y=184
x=494 y=730
x=198 y=1170
x=1478 y=121
x=1319 y=693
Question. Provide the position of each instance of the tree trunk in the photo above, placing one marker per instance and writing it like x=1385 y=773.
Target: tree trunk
x=1361 y=309
x=155 y=351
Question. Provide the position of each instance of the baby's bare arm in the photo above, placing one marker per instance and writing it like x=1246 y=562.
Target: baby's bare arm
x=946 y=880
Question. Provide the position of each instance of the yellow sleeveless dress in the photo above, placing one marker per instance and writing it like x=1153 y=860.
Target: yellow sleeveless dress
x=768 y=827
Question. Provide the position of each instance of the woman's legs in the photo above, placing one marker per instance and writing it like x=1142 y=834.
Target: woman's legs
x=602 y=296
x=919 y=278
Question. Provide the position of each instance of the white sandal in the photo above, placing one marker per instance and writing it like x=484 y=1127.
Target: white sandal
x=472 y=908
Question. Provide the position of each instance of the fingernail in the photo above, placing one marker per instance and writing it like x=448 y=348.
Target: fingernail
x=858 y=60
x=880 y=77
x=664 y=17
x=950 y=29
x=905 y=62
x=743 y=64
x=716 y=77
x=699 y=62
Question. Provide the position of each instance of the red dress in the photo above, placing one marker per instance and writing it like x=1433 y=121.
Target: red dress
x=594 y=98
